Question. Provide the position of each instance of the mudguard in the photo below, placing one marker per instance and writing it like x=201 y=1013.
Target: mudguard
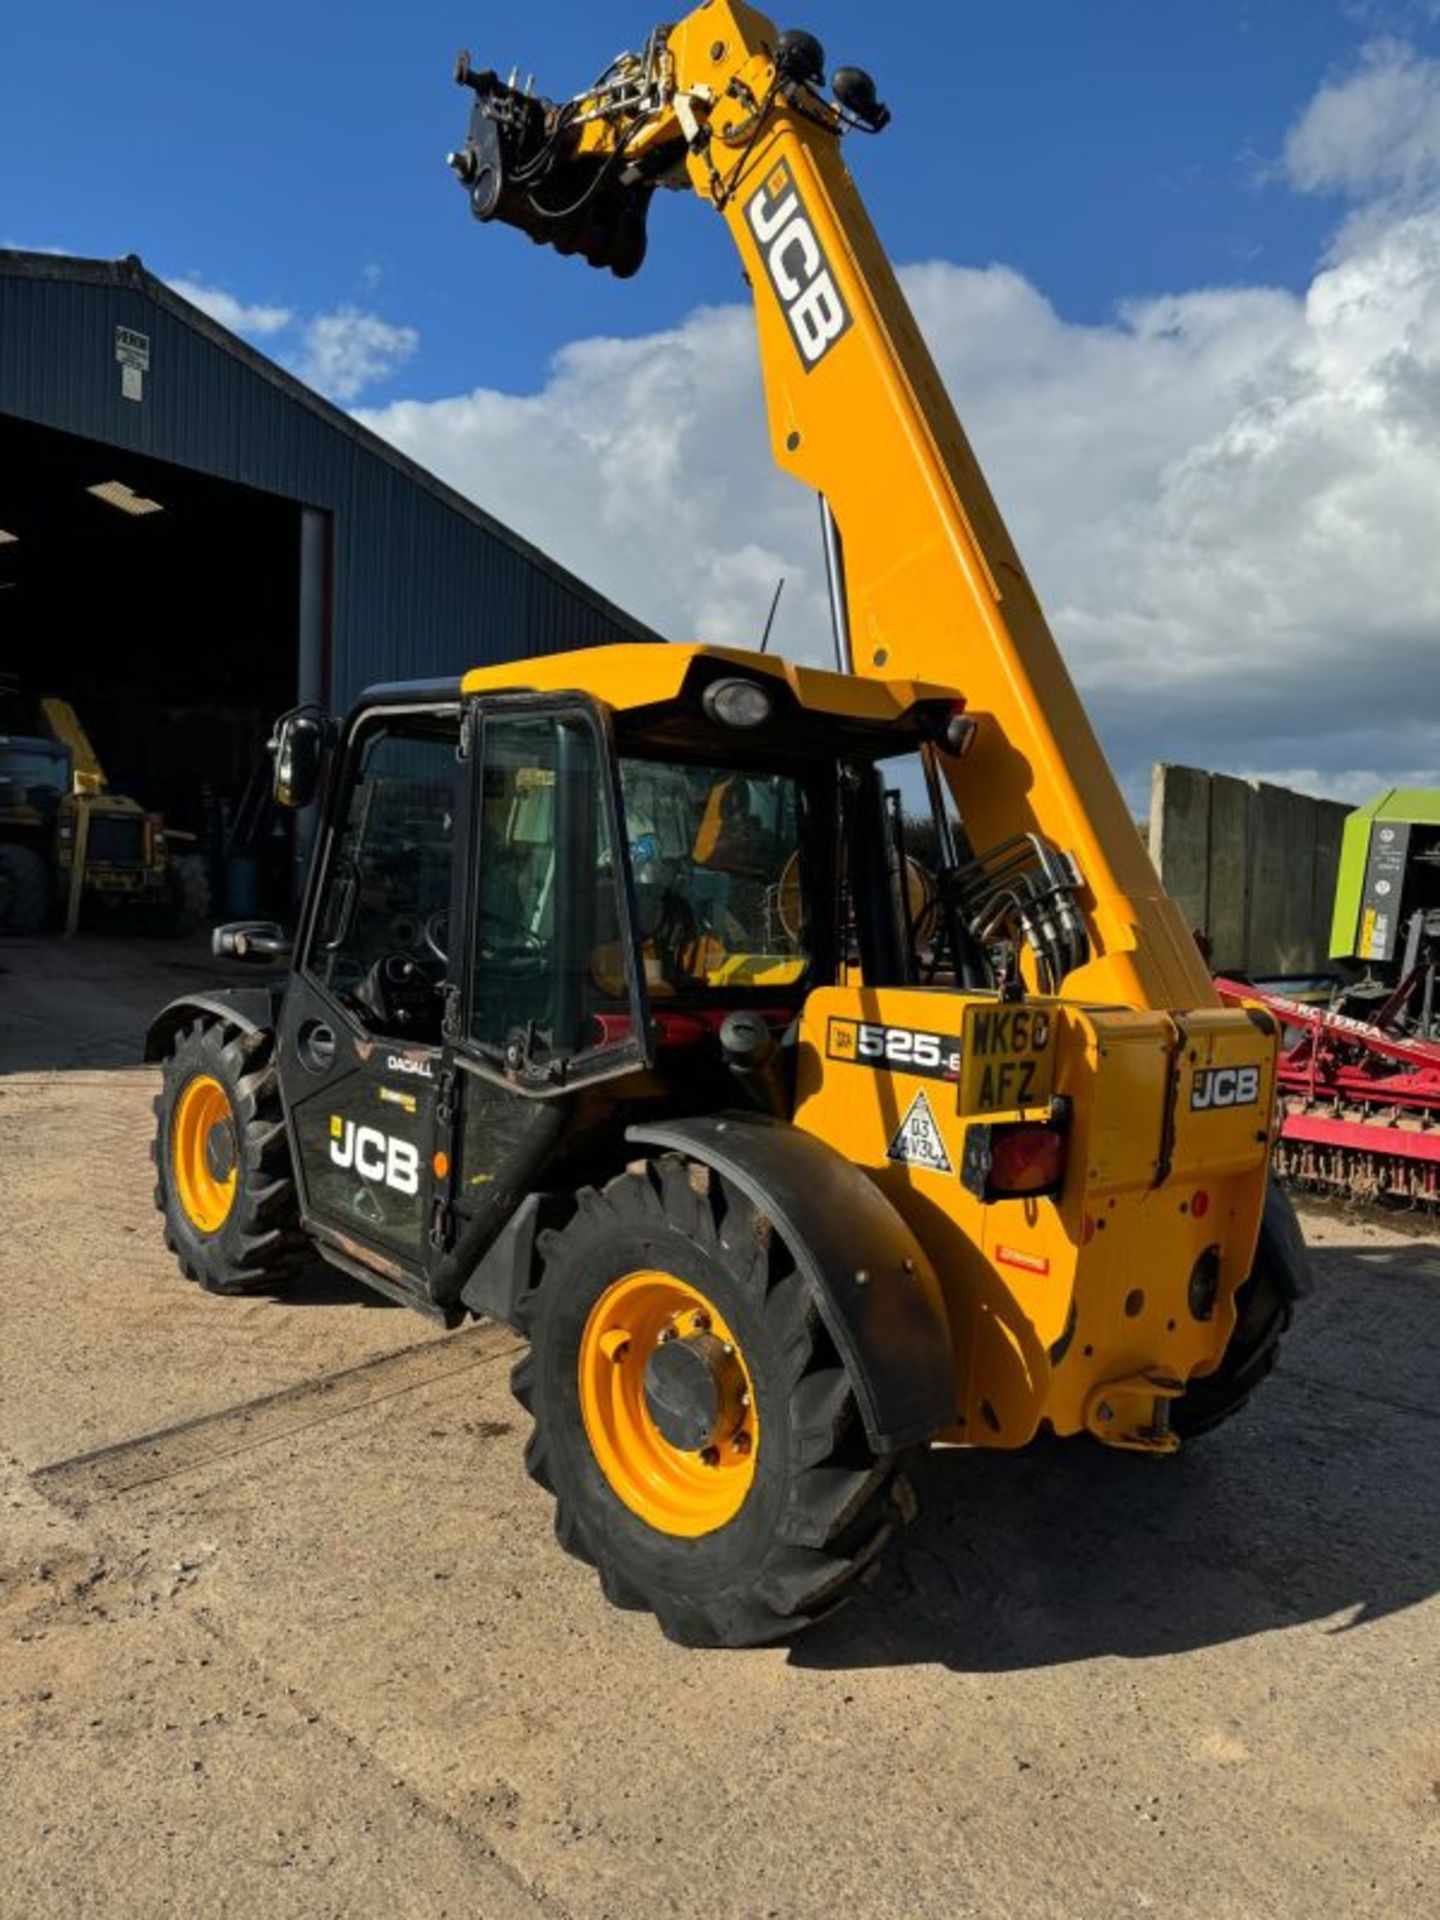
x=251 y=1009
x=877 y=1291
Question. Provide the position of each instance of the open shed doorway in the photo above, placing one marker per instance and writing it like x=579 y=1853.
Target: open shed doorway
x=164 y=605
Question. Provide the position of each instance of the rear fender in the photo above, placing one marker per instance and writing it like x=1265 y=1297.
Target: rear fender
x=248 y=1009
x=877 y=1290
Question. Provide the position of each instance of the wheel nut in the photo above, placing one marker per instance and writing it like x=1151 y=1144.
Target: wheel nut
x=666 y=1333
x=700 y=1320
x=710 y=1457
x=743 y=1443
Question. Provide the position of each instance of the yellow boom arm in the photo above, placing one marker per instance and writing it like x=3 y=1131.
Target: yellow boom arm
x=933 y=588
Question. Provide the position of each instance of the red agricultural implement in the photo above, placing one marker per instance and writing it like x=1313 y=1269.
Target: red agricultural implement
x=1359 y=1099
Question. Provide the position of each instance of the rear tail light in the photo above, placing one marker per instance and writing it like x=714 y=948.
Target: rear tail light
x=1024 y=1160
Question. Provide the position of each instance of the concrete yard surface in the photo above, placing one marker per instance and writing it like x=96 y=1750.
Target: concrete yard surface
x=286 y=1631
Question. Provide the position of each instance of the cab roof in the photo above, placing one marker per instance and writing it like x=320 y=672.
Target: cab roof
x=629 y=676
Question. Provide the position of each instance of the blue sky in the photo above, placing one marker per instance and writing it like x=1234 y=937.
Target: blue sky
x=1178 y=260
x=293 y=153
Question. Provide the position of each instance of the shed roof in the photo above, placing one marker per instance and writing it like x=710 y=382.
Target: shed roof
x=131 y=274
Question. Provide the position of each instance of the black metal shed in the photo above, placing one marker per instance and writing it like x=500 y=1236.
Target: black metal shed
x=191 y=540
x=397 y=574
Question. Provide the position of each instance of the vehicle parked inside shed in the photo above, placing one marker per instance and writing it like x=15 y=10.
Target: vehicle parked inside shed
x=68 y=842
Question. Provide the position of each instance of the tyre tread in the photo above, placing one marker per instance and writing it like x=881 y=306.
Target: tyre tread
x=263 y=1245
x=843 y=1502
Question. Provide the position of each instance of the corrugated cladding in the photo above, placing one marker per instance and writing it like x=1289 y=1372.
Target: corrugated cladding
x=423 y=581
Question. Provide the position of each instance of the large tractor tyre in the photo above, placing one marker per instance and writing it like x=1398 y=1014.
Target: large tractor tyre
x=24 y=890
x=186 y=903
x=1264 y=1309
x=224 y=1181
x=692 y=1417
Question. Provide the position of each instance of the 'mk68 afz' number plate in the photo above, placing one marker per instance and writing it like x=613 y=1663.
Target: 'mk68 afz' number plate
x=1007 y=1058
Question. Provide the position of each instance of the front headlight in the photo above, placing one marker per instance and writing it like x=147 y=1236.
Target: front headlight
x=738 y=703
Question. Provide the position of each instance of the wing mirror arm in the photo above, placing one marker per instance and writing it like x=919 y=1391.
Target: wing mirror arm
x=259 y=941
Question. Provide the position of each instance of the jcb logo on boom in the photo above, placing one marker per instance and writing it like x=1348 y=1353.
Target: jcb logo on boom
x=375 y=1155
x=795 y=261
x=1225 y=1087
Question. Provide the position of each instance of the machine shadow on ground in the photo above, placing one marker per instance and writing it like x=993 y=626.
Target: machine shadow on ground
x=1318 y=1503
x=324 y=1286
x=69 y=1006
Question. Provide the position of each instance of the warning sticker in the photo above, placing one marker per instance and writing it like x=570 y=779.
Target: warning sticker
x=917 y=1141
x=1027 y=1262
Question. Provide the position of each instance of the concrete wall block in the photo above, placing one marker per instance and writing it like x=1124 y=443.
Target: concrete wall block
x=1180 y=836
x=1227 y=922
x=1251 y=864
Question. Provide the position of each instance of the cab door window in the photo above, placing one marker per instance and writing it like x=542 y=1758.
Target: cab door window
x=550 y=977
x=381 y=929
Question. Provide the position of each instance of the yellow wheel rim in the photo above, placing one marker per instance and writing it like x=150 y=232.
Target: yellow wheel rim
x=675 y=1489
x=202 y=1148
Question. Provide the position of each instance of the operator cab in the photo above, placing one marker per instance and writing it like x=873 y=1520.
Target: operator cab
x=520 y=893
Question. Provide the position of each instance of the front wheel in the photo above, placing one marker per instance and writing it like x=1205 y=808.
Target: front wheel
x=692 y=1417
x=186 y=902
x=224 y=1181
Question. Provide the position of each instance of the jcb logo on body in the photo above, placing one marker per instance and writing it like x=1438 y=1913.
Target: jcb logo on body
x=375 y=1155
x=806 y=287
x=1224 y=1087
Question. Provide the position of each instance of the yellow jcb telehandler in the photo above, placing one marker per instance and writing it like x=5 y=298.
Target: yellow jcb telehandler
x=613 y=1013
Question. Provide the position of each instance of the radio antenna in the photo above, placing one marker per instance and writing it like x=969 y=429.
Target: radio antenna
x=774 y=608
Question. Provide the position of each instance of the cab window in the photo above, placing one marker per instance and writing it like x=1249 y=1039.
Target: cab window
x=545 y=892
x=381 y=928
x=716 y=859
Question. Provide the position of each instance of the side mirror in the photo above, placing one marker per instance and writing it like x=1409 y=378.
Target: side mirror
x=299 y=749
x=255 y=940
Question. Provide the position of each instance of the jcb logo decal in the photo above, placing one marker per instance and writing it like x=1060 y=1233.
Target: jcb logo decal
x=375 y=1155
x=1225 y=1087
x=795 y=261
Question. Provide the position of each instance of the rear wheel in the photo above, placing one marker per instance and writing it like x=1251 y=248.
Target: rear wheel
x=1264 y=1308
x=24 y=890
x=224 y=1181
x=692 y=1417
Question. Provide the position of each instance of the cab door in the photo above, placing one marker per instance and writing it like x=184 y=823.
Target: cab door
x=361 y=1044
x=548 y=995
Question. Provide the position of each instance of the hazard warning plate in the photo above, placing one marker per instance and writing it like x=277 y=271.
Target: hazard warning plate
x=1007 y=1058
x=918 y=1141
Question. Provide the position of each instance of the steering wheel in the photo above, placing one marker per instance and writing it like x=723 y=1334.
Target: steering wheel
x=512 y=940
x=398 y=993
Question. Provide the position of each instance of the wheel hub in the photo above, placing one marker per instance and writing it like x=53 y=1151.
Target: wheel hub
x=668 y=1403
x=693 y=1391
x=204 y=1153
x=220 y=1150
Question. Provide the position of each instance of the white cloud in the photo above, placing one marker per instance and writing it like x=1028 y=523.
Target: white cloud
x=1375 y=131
x=232 y=313
x=342 y=353
x=1227 y=497
x=345 y=352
